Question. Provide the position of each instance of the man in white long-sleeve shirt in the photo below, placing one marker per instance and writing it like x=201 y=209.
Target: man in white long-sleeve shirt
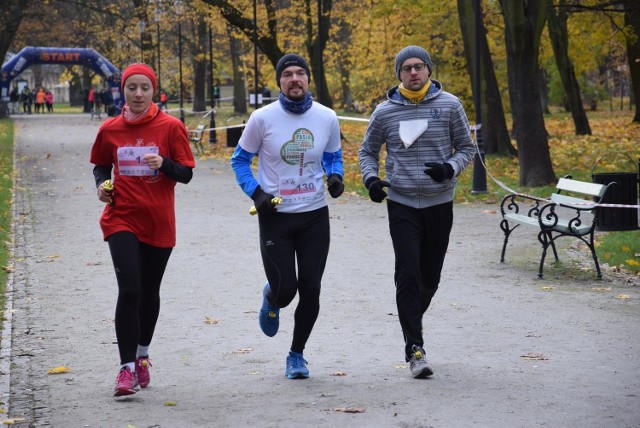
x=297 y=142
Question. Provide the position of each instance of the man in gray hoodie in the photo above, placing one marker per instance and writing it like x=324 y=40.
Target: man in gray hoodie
x=428 y=144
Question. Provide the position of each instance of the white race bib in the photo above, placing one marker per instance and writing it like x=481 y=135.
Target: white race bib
x=298 y=189
x=131 y=160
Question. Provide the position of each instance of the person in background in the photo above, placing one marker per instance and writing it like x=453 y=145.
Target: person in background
x=39 y=101
x=48 y=99
x=27 y=99
x=14 y=100
x=297 y=142
x=148 y=152
x=216 y=93
x=163 y=100
x=426 y=135
x=91 y=98
x=266 y=95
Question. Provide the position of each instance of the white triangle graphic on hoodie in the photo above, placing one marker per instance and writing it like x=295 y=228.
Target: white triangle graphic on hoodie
x=410 y=130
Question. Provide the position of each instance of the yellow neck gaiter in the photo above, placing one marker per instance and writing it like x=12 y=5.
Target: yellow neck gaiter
x=415 y=96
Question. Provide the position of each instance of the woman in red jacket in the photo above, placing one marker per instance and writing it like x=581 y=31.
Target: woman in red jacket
x=148 y=152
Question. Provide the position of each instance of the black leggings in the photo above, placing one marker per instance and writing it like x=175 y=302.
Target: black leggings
x=420 y=239
x=285 y=239
x=139 y=269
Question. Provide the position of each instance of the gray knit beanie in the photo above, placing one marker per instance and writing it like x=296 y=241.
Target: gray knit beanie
x=289 y=60
x=412 y=52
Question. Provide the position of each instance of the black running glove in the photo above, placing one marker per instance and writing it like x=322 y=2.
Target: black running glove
x=439 y=171
x=376 y=188
x=335 y=185
x=262 y=201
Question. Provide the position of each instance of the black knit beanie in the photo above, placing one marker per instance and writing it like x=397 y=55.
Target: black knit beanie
x=412 y=52
x=287 y=61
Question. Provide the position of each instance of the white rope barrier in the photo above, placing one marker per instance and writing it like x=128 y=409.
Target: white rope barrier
x=355 y=119
x=510 y=190
x=473 y=128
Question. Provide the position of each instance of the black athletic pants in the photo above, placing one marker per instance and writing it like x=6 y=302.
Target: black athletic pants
x=420 y=239
x=139 y=269
x=284 y=240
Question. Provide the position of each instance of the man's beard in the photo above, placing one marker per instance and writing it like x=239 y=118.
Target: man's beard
x=297 y=97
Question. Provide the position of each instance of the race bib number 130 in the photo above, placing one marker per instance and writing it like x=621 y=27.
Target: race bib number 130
x=131 y=160
x=297 y=189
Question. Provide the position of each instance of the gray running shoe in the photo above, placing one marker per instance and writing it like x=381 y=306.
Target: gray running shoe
x=418 y=364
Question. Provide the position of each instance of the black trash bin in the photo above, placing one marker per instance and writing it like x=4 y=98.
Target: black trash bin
x=233 y=136
x=624 y=191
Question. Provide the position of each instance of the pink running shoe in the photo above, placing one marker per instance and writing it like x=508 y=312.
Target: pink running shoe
x=126 y=383
x=142 y=371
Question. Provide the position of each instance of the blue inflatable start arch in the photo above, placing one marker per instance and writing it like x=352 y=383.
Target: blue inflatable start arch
x=72 y=56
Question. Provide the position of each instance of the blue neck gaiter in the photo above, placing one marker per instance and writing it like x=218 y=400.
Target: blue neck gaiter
x=296 y=107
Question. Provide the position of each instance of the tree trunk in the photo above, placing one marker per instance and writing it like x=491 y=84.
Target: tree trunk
x=347 y=96
x=524 y=22
x=544 y=90
x=632 y=19
x=11 y=14
x=239 y=91
x=343 y=36
x=315 y=49
x=77 y=89
x=268 y=42
x=557 y=26
x=495 y=134
x=200 y=65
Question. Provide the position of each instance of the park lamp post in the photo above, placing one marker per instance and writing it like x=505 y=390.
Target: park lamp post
x=141 y=26
x=479 y=173
x=212 y=114
x=179 y=10
x=255 y=54
x=319 y=60
x=157 y=16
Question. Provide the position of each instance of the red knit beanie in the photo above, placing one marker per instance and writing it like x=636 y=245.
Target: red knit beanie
x=139 y=68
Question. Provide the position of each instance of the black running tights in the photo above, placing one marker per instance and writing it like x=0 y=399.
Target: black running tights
x=139 y=269
x=290 y=239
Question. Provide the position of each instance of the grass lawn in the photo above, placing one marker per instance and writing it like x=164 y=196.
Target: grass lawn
x=6 y=199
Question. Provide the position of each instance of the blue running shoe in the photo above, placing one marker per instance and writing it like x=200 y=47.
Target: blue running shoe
x=296 y=366
x=269 y=317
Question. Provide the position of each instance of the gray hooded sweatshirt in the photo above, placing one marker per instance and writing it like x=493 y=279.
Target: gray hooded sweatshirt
x=446 y=139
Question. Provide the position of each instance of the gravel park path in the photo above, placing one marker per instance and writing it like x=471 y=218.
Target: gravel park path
x=508 y=349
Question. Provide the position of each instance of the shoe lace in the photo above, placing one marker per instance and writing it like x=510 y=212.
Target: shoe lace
x=418 y=352
x=297 y=362
x=124 y=375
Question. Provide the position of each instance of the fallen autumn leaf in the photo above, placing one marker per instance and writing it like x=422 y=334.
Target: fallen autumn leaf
x=58 y=370
x=349 y=409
